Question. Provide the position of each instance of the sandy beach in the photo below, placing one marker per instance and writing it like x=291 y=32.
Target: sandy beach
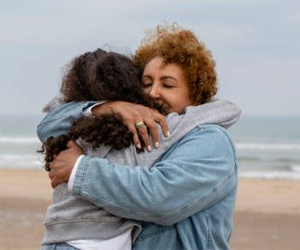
x=267 y=214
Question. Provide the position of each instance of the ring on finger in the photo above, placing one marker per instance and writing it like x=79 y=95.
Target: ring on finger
x=138 y=125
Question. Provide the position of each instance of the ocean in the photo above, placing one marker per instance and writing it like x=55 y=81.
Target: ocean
x=267 y=147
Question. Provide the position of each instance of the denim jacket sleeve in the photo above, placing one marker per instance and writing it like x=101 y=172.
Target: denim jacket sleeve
x=193 y=175
x=58 y=121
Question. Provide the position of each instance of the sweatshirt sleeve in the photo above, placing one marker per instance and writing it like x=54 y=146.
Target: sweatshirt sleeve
x=195 y=174
x=219 y=112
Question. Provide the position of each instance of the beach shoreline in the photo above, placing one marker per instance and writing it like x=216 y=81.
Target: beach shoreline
x=267 y=214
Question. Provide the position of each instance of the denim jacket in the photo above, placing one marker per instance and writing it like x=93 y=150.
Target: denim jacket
x=185 y=200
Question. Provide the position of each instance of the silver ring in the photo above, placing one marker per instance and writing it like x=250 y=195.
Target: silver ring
x=138 y=125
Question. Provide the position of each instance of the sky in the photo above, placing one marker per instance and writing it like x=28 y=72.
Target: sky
x=255 y=43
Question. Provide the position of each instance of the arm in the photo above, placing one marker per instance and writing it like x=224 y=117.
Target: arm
x=59 y=120
x=195 y=174
x=220 y=112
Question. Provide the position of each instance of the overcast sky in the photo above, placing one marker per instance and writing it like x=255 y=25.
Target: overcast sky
x=256 y=44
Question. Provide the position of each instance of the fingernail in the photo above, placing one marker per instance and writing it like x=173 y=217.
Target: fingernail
x=156 y=144
x=149 y=148
x=138 y=146
x=168 y=134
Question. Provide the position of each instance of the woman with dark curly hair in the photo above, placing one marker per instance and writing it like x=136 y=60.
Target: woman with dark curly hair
x=183 y=192
x=99 y=75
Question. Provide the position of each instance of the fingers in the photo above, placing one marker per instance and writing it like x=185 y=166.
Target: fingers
x=151 y=125
x=61 y=167
x=136 y=140
x=134 y=113
x=163 y=123
x=145 y=137
x=141 y=132
x=51 y=175
x=54 y=182
x=55 y=178
x=149 y=121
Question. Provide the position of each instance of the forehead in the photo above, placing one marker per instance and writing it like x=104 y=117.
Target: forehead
x=158 y=66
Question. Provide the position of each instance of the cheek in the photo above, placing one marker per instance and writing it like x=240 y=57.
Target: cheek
x=184 y=101
x=187 y=97
x=146 y=90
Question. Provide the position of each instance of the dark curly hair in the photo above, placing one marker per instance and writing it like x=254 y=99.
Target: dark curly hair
x=99 y=75
x=177 y=45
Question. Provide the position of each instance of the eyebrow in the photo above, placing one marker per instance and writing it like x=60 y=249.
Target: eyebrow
x=162 y=78
x=146 y=76
x=167 y=77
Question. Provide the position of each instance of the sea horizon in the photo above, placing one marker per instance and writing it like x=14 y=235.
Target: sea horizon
x=268 y=147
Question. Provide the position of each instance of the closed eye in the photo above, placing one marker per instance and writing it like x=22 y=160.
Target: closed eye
x=168 y=86
x=146 y=84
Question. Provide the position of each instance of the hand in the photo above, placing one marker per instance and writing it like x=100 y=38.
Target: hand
x=62 y=166
x=134 y=113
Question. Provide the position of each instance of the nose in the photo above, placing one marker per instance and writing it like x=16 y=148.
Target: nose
x=154 y=91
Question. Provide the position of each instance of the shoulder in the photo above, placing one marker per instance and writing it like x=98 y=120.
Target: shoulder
x=211 y=139
x=213 y=130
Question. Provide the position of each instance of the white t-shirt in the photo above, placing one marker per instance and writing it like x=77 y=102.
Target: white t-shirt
x=121 y=242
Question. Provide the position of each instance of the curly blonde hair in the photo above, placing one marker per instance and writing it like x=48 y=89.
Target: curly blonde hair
x=181 y=46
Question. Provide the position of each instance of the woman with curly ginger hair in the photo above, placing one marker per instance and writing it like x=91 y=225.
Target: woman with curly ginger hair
x=183 y=192
x=182 y=47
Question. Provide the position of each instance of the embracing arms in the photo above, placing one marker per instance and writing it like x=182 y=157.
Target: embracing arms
x=195 y=174
x=203 y=181
x=59 y=120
